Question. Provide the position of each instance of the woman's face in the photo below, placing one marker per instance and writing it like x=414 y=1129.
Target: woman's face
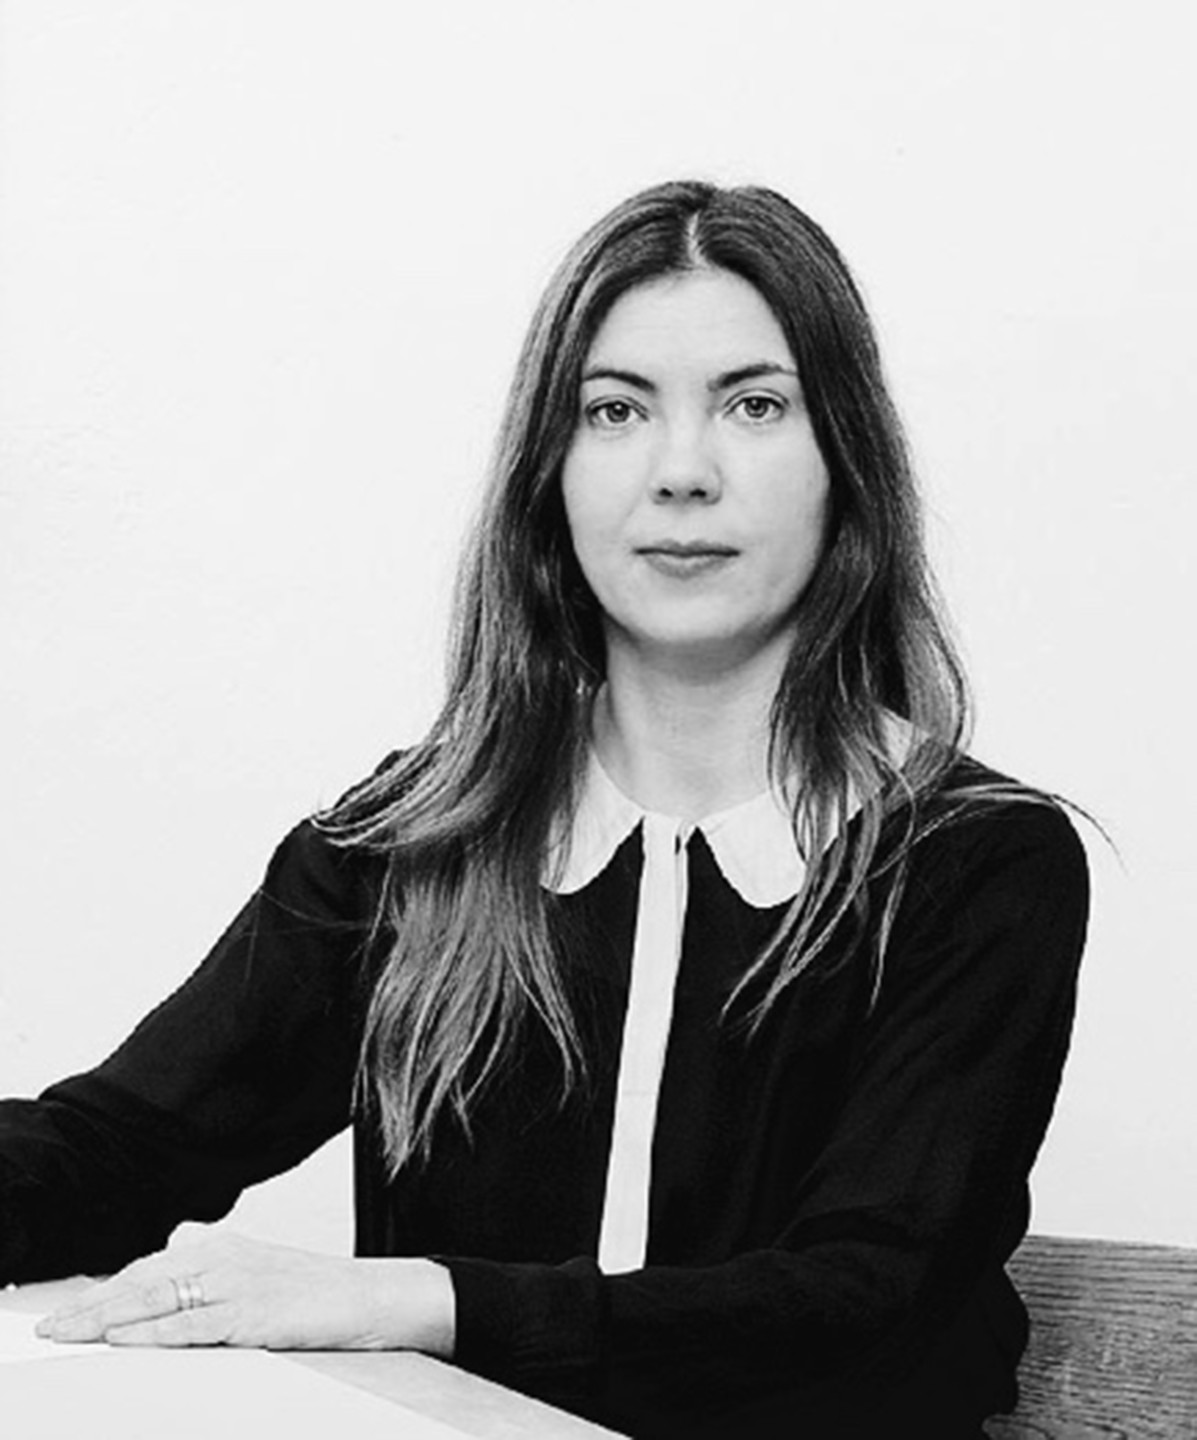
x=694 y=490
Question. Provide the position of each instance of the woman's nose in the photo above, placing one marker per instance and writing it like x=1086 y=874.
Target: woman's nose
x=686 y=467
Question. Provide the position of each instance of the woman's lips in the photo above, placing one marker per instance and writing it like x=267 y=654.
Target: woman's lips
x=683 y=560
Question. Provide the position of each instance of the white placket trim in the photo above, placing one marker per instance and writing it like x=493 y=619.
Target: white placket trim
x=656 y=954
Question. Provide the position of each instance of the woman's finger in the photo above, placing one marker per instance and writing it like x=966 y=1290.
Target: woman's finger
x=122 y=1301
x=207 y=1325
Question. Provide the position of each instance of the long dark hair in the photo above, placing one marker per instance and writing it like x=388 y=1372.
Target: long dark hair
x=464 y=817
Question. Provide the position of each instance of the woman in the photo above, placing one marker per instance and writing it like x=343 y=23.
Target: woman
x=698 y=1004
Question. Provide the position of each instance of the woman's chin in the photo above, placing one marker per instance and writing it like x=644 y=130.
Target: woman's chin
x=681 y=650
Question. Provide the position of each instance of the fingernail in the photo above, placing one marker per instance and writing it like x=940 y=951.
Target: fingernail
x=72 y=1329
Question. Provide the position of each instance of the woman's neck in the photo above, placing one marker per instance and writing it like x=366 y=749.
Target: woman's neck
x=682 y=742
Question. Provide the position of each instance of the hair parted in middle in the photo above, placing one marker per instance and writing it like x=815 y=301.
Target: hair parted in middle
x=465 y=817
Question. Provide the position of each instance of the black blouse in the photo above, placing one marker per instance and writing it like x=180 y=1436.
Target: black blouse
x=832 y=1200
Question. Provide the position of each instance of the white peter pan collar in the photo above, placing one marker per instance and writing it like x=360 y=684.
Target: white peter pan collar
x=753 y=842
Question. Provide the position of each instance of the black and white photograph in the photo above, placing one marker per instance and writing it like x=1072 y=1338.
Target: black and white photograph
x=595 y=646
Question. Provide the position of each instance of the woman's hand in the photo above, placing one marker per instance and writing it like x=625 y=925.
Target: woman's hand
x=222 y=1289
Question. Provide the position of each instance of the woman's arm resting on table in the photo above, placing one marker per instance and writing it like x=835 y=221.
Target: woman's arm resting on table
x=249 y=1293
x=246 y=1069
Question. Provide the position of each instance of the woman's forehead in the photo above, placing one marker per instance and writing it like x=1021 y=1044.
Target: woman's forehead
x=694 y=319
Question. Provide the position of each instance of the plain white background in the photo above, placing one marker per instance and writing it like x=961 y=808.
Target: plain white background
x=265 y=267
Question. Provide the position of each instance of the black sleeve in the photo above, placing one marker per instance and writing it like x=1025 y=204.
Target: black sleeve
x=242 y=1072
x=918 y=1194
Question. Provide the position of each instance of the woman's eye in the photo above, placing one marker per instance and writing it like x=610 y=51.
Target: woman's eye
x=611 y=414
x=759 y=408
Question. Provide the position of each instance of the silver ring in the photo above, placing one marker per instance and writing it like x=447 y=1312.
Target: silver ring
x=189 y=1292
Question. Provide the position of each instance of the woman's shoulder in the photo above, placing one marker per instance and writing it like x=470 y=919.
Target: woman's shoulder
x=979 y=818
x=322 y=869
x=315 y=876
x=996 y=883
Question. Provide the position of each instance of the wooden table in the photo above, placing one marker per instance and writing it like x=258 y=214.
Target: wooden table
x=473 y=1405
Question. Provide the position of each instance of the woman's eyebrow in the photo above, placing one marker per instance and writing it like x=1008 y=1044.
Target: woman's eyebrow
x=625 y=377
x=723 y=381
x=754 y=371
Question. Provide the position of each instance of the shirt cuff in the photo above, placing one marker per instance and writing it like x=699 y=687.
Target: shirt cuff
x=534 y=1327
